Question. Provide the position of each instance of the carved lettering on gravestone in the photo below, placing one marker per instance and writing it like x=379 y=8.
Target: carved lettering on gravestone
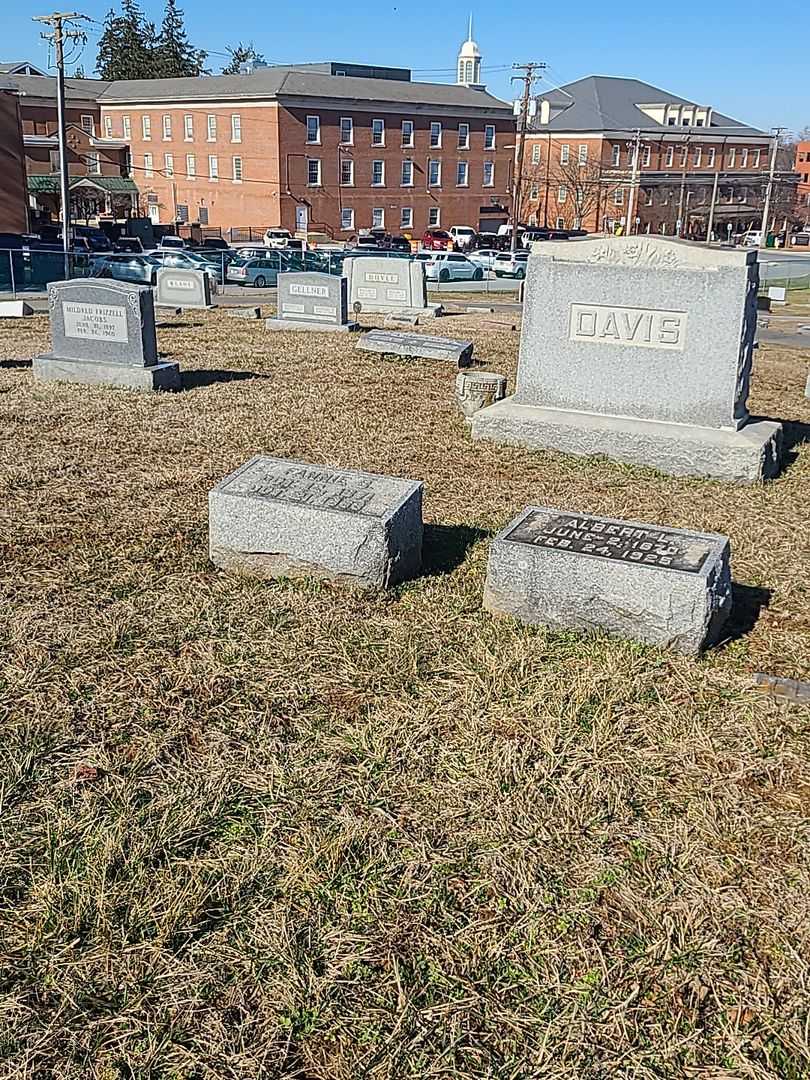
x=95 y=321
x=645 y=327
x=319 y=487
x=367 y=294
x=308 y=290
x=396 y=294
x=385 y=279
x=601 y=539
x=181 y=283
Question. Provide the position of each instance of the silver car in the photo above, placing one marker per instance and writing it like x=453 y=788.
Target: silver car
x=257 y=272
x=187 y=260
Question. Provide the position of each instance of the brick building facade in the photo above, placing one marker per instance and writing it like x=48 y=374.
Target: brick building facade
x=802 y=166
x=13 y=202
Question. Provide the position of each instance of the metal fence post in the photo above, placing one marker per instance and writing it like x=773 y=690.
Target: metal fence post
x=11 y=269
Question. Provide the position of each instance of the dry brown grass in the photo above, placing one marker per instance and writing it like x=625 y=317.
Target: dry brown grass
x=282 y=830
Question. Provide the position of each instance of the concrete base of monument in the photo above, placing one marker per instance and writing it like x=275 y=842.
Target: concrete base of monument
x=162 y=376
x=299 y=324
x=748 y=455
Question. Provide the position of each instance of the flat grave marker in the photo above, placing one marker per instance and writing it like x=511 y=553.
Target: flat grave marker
x=430 y=347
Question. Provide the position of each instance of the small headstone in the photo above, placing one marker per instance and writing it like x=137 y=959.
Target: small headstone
x=104 y=333
x=312 y=301
x=15 y=309
x=478 y=389
x=667 y=587
x=277 y=518
x=423 y=345
x=389 y=286
x=243 y=312
x=178 y=288
x=639 y=348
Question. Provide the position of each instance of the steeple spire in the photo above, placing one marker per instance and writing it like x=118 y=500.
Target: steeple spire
x=469 y=35
x=469 y=61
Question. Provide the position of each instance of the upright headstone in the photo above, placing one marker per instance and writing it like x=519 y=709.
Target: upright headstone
x=311 y=301
x=389 y=286
x=639 y=348
x=104 y=333
x=668 y=587
x=277 y=518
x=179 y=288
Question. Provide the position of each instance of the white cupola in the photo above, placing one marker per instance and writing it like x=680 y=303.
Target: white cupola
x=469 y=62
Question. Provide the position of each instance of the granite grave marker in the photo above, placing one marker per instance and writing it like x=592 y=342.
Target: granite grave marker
x=312 y=301
x=180 y=288
x=389 y=286
x=430 y=347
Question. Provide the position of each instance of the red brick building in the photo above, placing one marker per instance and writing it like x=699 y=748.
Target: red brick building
x=579 y=162
x=802 y=166
x=13 y=202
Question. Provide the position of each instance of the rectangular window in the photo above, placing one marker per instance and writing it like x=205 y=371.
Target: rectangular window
x=698 y=157
x=347 y=172
x=168 y=164
x=146 y=127
x=167 y=126
x=127 y=127
x=148 y=165
x=670 y=157
x=648 y=197
x=346 y=132
x=236 y=127
x=188 y=127
x=562 y=193
x=560 y=223
x=182 y=213
x=378 y=133
x=407 y=132
x=434 y=173
x=53 y=157
x=683 y=156
x=732 y=157
x=744 y=158
x=464 y=136
x=756 y=158
x=347 y=219
x=237 y=170
x=213 y=167
x=377 y=217
x=211 y=127
x=377 y=173
x=618 y=197
x=94 y=163
x=534 y=191
x=191 y=166
x=407 y=173
x=536 y=154
x=202 y=215
x=462 y=174
x=645 y=157
x=88 y=124
x=489 y=137
x=313 y=129
x=582 y=154
x=406 y=217
x=712 y=157
x=314 y=172
x=615 y=155
x=435 y=135
x=565 y=154
x=108 y=127
x=489 y=174
x=434 y=216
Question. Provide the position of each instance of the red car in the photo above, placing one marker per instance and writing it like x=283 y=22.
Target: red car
x=437 y=240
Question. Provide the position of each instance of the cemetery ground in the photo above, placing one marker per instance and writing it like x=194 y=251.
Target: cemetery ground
x=281 y=829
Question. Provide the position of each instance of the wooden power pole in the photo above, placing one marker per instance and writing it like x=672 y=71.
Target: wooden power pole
x=527 y=78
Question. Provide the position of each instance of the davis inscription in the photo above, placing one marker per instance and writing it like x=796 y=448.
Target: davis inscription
x=326 y=489
x=95 y=321
x=601 y=539
x=645 y=327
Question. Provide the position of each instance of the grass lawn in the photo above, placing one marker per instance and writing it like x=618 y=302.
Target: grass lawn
x=284 y=830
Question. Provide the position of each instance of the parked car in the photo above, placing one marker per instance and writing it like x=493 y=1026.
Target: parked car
x=800 y=239
x=484 y=257
x=128 y=243
x=214 y=243
x=125 y=267
x=257 y=272
x=96 y=239
x=450 y=266
x=463 y=236
x=437 y=240
x=277 y=238
x=512 y=264
x=187 y=260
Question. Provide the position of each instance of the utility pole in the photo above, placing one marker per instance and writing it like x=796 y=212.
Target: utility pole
x=715 y=186
x=527 y=78
x=679 y=231
x=57 y=37
x=763 y=234
x=631 y=198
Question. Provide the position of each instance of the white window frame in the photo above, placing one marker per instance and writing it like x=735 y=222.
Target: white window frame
x=347 y=162
x=536 y=154
x=438 y=181
x=560 y=223
x=615 y=156
x=403 y=222
x=489 y=136
x=166 y=127
x=463 y=136
x=462 y=167
x=237 y=170
x=188 y=127
x=168 y=165
x=236 y=127
x=146 y=127
x=646 y=156
x=744 y=158
x=191 y=166
x=488 y=165
x=213 y=168
x=347 y=214
x=697 y=157
x=732 y=157
x=93 y=163
x=381 y=181
x=350 y=141
x=378 y=138
x=317 y=163
x=126 y=126
x=648 y=196
x=148 y=164
x=565 y=154
x=756 y=158
x=436 y=135
x=562 y=193
x=434 y=217
x=407 y=165
x=408 y=141
x=91 y=129
x=618 y=197
x=534 y=190
x=313 y=124
x=378 y=217
x=211 y=127
x=712 y=159
x=582 y=154
x=670 y=157
x=107 y=127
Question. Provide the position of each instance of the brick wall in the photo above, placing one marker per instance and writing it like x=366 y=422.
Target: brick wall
x=13 y=188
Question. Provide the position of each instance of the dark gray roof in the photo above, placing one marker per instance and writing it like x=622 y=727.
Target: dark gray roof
x=38 y=86
x=610 y=103
x=9 y=67
x=289 y=82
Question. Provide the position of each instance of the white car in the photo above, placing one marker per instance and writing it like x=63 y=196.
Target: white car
x=277 y=238
x=463 y=236
x=511 y=264
x=484 y=257
x=449 y=266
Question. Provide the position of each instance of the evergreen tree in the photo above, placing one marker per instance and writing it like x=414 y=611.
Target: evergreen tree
x=175 y=56
x=127 y=47
x=241 y=54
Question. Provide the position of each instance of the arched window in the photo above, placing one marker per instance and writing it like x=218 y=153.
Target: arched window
x=469 y=77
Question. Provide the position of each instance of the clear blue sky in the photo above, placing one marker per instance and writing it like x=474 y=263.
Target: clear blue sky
x=748 y=60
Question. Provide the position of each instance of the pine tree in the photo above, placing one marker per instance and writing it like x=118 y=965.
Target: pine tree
x=176 y=57
x=127 y=47
x=240 y=55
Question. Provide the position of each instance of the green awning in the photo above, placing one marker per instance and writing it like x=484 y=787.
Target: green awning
x=48 y=184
